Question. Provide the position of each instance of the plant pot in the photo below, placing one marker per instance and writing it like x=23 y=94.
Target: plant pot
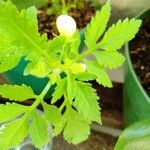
x=136 y=100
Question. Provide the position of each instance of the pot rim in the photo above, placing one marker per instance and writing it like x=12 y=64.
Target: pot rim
x=129 y=62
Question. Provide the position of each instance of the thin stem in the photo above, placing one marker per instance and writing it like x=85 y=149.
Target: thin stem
x=45 y=90
x=64 y=5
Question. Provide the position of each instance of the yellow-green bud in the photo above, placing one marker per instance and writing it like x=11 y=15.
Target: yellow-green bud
x=66 y=25
x=78 y=68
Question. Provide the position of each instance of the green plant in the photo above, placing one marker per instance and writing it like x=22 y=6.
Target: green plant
x=19 y=38
x=135 y=137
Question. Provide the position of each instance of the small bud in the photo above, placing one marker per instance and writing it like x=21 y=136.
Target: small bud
x=78 y=68
x=66 y=25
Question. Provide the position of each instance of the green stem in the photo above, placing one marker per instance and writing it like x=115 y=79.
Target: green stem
x=64 y=5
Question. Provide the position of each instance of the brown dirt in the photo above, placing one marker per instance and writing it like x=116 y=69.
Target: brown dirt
x=47 y=22
x=140 y=54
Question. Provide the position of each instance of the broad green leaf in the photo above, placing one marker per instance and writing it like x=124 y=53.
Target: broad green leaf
x=109 y=59
x=101 y=76
x=38 y=130
x=54 y=117
x=86 y=102
x=22 y=30
x=76 y=130
x=59 y=90
x=16 y=92
x=10 y=111
x=135 y=137
x=97 y=26
x=118 y=34
x=85 y=76
x=22 y=4
x=71 y=87
x=13 y=133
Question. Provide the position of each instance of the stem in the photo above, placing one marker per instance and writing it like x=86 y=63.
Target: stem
x=64 y=5
x=45 y=90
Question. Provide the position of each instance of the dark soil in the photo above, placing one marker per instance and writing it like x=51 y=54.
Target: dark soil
x=47 y=22
x=140 y=54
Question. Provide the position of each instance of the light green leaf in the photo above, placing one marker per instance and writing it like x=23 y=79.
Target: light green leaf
x=86 y=102
x=21 y=29
x=135 y=137
x=97 y=26
x=13 y=133
x=109 y=59
x=54 y=117
x=76 y=130
x=71 y=87
x=38 y=130
x=85 y=76
x=59 y=90
x=10 y=111
x=22 y=4
x=101 y=76
x=9 y=62
x=118 y=34
x=15 y=92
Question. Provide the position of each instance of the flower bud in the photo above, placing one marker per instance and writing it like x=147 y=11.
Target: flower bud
x=78 y=68
x=66 y=25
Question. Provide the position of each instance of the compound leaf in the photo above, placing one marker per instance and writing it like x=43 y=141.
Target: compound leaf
x=16 y=92
x=97 y=26
x=13 y=133
x=38 y=130
x=119 y=33
x=10 y=111
x=86 y=102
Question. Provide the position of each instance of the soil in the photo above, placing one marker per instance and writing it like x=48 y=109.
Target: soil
x=47 y=23
x=140 y=54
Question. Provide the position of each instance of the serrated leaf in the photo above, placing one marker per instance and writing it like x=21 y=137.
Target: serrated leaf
x=10 y=111
x=54 y=117
x=13 y=133
x=118 y=34
x=59 y=90
x=16 y=92
x=76 y=130
x=9 y=62
x=86 y=102
x=97 y=26
x=85 y=76
x=38 y=130
x=135 y=137
x=101 y=76
x=71 y=87
x=22 y=30
x=109 y=59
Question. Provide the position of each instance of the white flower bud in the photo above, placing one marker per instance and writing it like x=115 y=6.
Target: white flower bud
x=66 y=25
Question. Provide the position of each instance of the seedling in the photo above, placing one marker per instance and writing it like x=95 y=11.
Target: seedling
x=20 y=39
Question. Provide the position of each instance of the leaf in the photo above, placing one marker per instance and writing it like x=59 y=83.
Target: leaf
x=15 y=92
x=118 y=34
x=38 y=130
x=13 y=133
x=76 y=130
x=11 y=111
x=101 y=76
x=59 y=90
x=97 y=26
x=85 y=76
x=54 y=117
x=109 y=59
x=86 y=102
x=28 y=3
x=135 y=137
x=21 y=29
x=71 y=87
